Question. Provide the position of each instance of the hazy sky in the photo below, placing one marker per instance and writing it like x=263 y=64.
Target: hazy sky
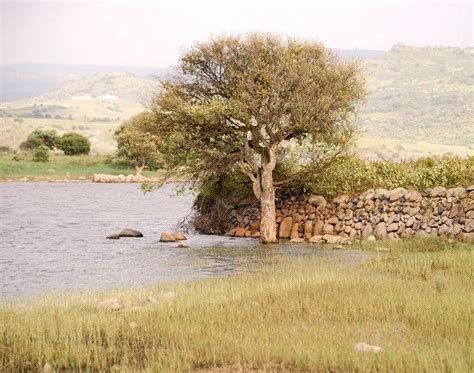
x=153 y=33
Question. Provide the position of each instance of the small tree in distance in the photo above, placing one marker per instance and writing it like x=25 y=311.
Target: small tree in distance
x=239 y=99
x=73 y=143
x=138 y=144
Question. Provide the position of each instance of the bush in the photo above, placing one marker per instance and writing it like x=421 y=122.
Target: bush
x=73 y=143
x=48 y=138
x=41 y=154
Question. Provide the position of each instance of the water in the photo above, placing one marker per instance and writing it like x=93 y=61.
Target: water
x=52 y=237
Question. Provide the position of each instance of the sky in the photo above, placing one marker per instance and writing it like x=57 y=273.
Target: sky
x=155 y=33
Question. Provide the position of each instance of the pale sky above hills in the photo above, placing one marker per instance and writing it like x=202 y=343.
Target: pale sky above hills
x=153 y=33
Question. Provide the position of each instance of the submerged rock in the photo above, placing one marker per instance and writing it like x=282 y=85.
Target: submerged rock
x=167 y=237
x=113 y=236
x=130 y=233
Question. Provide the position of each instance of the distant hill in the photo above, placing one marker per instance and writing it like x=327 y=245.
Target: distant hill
x=420 y=101
x=24 y=80
x=420 y=95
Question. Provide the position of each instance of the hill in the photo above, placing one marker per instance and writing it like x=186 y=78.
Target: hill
x=419 y=102
x=420 y=98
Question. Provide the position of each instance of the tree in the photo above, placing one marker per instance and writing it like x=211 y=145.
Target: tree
x=48 y=138
x=73 y=143
x=138 y=144
x=238 y=100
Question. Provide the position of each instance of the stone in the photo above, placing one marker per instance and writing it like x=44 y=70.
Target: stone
x=367 y=231
x=410 y=222
x=256 y=234
x=381 y=194
x=396 y=194
x=297 y=240
x=328 y=229
x=333 y=220
x=331 y=239
x=308 y=229
x=467 y=237
x=364 y=347
x=240 y=232
x=458 y=192
x=413 y=196
x=316 y=239
x=393 y=236
x=371 y=238
x=231 y=233
x=470 y=188
x=130 y=233
x=182 y=245
x=318 y=228
x=111 y=304
x=113 y=236
x=438 y=192
x=380 y=232
x=179 y=236
x=317 y=201
x=285 y=227
x=340 y=199
x=167 y=237
x=392 y=227
x=295 y=231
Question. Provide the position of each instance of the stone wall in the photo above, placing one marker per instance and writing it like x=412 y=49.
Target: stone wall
x=374 y=214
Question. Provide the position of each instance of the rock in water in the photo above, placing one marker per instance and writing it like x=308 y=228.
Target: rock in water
x=167 y=237
x=111 y=304
x=114 y=236
x=364 y=347
x=179 y=236
x=130 y=233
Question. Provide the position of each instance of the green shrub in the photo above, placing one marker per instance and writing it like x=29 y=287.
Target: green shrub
x=41 y=154
x=48 y=138
x=72 y=143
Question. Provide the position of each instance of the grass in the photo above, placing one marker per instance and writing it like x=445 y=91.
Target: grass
x=62 y=167
x=414 y=301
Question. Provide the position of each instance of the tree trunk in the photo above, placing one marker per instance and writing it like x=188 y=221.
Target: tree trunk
x=267 y=199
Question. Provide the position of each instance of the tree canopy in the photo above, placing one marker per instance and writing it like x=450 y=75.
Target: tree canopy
x=239 y=101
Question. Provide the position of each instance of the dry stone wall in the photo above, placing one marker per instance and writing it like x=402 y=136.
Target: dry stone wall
x=375 y=214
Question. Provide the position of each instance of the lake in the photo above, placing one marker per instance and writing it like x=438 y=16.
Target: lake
x=53 y=238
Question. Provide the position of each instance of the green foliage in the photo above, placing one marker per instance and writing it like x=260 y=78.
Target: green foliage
x=41 y=154
x=73 y=143
x=139 y=144
x=48 y=138
x=354 y=175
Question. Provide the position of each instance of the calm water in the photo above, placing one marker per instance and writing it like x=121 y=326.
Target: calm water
x=53 y=238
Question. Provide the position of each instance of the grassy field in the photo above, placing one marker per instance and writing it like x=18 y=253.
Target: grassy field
x=62 y=167
x=414 y=301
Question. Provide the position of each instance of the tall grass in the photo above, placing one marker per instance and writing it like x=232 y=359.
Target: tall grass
x=302 y=314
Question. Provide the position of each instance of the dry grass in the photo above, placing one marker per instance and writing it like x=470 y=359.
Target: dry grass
x=306 y=315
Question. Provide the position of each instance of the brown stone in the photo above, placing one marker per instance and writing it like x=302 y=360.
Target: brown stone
x=285 y=227
x=318 y=228
x=308 y=229
x=179 y=236
x=328 y=229
x=295 y=231
x=367 y=231
x=316 y=239
x=380 y=231
x=392 y=227
x=240 y=232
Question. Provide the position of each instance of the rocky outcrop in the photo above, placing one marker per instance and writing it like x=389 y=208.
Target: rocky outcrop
x=105 y=178
x=379 y=214
x=130 y=233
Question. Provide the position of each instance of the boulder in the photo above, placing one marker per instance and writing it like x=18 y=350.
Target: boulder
x=396 y=194
x=316 y=239
x=179 y=236
x=413 y=196
x=467 y=237
x=113 y=236
x=333 y=220
x=240 y=232
x=371 y=238
x=328 y=229
x=318 y=228
x=317 y=201
x=111 y=304
x=367 y=231
x=438 y=192
x=285 y=227
x=392 y=227
x=308 y=229
x=456 y=193
x=380 y=232
x=167 y=237
x=330 y=239
x=130 y=233
x=295 y=231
